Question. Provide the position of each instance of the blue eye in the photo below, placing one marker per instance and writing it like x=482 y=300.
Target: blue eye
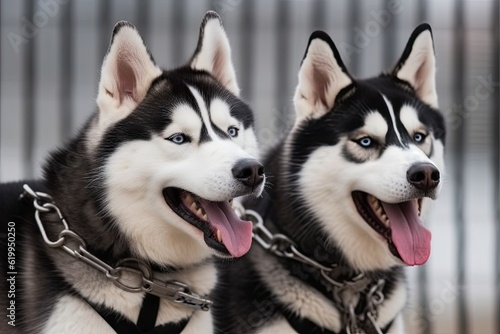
x=419 y=137
x=233 y=131
x=178 y=138
x=365 y=142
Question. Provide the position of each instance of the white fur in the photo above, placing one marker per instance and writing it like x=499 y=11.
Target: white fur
x=126 y=75
x=184 y=120
x=221 y=115
x=393 y=118
x=309 y=303
x=375 y=126
x=299 y=297
x=332 y=203
x=88 y=321
x=419 y=69
x=135 y=186
x=136 y=173
x=204 y=113
x=215 y=55
x=409 y=117
x=320 y=80
x=384 y=177
x=280 y=325
x=201 y=280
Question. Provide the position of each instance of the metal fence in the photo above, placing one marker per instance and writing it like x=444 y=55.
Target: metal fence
x=51 y=51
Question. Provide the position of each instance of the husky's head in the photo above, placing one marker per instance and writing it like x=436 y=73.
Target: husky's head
x=173 y=148
x=367 y=155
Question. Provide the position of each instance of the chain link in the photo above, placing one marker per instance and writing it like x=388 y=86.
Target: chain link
x=127 y=270
x=282 y=246
x=279 y=244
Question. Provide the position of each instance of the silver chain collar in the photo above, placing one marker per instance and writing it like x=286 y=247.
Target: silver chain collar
x=131 y=275
x=346 y=294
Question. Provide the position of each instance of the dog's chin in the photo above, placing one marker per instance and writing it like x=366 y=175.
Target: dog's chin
x=206 y=216
x=399 y=224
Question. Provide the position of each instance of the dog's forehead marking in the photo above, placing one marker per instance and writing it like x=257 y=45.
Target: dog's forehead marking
x=220 y=113
x=375 y=124
x=204 y=113
x=393 y=118
x=185 y=119
x=409 y=117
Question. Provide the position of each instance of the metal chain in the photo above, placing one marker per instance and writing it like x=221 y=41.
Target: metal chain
x=282 y=246
x=279 y=244
x=127 y=270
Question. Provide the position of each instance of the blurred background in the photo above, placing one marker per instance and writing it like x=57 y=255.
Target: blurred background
x=51 y=52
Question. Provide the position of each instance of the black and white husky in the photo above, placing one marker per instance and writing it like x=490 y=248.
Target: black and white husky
x=349 y=185
x=145 y=190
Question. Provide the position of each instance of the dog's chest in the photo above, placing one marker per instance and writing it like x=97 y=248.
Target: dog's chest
x=302 y=299
x=73 y=314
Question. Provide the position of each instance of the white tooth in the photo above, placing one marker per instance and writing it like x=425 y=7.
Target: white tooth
x=205 y=217
x=199 y=214
x=193 y=206
x=219 y=236
x=385 y=222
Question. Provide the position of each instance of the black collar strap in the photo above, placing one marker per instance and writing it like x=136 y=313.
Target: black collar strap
x=145 y=323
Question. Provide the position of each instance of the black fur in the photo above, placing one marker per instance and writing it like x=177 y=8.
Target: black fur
x=245 y=302
x=74 y=178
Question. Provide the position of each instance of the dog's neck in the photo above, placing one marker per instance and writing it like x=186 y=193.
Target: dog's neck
x=284 y=215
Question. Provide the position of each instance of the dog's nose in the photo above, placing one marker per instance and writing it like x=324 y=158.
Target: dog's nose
x=249 y=171
x=423 y=176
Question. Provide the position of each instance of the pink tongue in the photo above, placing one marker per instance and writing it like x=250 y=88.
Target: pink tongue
x=236 y=233
x=411 y=238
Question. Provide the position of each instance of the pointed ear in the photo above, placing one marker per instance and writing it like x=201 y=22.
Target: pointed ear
x=322 y=76
x=213 y=53
x=417 y=65
x=126 y=74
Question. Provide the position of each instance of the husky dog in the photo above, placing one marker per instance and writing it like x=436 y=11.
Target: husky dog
x=145 y=190
x=350 y=183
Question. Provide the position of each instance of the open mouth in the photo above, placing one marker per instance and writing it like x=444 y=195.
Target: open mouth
x=223 y=230
x=399 y=224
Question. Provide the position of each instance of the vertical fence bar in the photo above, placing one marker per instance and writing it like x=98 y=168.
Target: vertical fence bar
x=104 y=14
x=354 y=21
x=282 y=59
x=423 y=272
x=389 y=39
x=319 y=15
x=459 y=161
x=495 y=22
x=143 y=10
x=66 y=79
x=29 y=96
x=1 y=83
x=178 y=29
x=421 y=12
x=247 y=30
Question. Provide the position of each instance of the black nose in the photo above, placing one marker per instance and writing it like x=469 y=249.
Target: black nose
x=249 y=171
x=423 y=176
